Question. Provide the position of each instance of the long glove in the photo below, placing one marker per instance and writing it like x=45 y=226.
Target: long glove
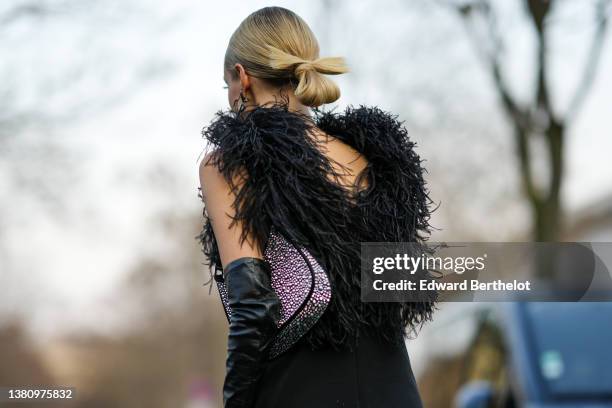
x=255 y=314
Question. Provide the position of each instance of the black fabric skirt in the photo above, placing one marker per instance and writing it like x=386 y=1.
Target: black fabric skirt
x=373 y=376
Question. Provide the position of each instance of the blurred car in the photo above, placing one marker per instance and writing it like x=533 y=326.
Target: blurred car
x=539 y=355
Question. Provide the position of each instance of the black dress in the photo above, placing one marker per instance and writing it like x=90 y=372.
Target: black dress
x=354 y=355
x=375 y=375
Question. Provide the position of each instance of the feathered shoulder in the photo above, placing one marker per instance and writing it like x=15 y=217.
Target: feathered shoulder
x=285 y=181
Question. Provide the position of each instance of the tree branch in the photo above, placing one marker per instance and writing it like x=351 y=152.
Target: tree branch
x=592 y=61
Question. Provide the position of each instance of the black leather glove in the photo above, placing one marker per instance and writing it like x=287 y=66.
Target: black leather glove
x=255 y=314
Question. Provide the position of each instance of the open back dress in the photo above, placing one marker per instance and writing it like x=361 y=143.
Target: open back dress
x=331 y=350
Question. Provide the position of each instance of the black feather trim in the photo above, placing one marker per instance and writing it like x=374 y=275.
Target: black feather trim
x=286 y=182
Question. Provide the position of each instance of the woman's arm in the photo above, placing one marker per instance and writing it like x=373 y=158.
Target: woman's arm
x=218 y=199
x=255 y=306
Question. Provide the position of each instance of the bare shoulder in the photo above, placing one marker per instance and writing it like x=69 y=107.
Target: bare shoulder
x=209 y=175
x=207 y=165
x=214 y=182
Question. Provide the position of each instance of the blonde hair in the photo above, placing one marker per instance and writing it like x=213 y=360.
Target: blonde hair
x=275 y=44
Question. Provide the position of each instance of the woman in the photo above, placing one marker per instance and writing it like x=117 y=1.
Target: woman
x=290 y=191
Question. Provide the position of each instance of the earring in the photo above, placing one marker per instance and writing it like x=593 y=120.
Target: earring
x=243 y=98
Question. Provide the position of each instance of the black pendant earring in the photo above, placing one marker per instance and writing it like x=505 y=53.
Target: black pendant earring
x=243 y=98
x=243 y=101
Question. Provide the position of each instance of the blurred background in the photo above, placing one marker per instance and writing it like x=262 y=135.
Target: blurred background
x=101 y=107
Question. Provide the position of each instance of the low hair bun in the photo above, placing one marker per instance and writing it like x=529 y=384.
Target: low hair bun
x=313 y=88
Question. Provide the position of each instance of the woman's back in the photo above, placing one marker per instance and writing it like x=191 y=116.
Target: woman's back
x=347 y=162
x=328 y=184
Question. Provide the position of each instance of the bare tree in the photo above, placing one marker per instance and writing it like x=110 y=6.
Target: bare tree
x=539 y=118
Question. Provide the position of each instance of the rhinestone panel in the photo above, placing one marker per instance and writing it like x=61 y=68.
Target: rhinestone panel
x=223 y=294
x=301 y=285
x=291 y=278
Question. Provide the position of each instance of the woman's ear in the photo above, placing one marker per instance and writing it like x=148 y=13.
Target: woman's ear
x=245 y=81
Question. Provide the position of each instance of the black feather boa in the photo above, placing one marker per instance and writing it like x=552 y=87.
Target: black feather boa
x=287 y=185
